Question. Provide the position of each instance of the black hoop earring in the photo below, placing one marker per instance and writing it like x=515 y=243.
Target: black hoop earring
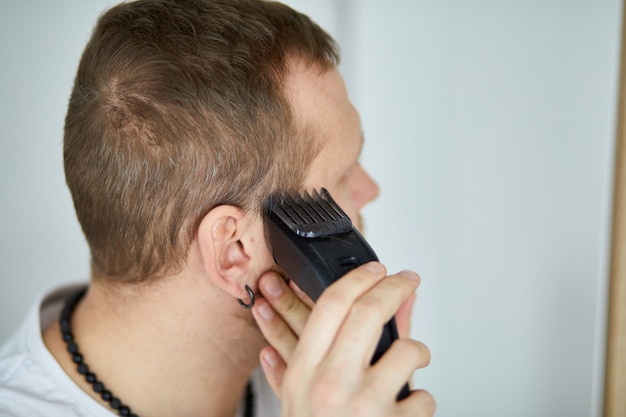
x=251 y=303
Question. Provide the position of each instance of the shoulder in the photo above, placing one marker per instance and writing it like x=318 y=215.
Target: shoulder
x=26 y=388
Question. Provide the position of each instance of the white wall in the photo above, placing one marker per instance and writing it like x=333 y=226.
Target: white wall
x=489 y=126
x=491 y=123
x=40 y=240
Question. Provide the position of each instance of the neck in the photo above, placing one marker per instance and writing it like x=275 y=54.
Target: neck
x=176 y=347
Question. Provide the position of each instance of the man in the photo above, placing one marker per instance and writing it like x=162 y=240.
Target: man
x=185 y=116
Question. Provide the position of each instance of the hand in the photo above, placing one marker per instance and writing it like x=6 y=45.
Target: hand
x=318 y=361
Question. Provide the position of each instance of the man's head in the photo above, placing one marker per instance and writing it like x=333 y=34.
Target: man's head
x=179 y=107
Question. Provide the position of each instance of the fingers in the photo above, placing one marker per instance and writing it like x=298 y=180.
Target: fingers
x=396 y=366
x=276 y=331
x=281 y=314
x=319 y=359
x=330 y=311
x=284 y=301
x=355 y=344
x=274 y=368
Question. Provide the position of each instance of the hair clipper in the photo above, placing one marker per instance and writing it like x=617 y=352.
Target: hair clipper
x=314 y=242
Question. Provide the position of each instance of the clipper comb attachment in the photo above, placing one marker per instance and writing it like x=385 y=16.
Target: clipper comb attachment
x=314 y=215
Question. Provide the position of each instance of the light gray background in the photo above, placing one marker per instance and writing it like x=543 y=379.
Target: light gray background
x=490 y=128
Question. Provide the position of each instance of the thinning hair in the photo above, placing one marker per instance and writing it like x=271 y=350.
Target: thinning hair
x=178 y=106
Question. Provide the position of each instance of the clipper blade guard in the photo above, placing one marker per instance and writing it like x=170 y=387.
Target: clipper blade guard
x=315 y=215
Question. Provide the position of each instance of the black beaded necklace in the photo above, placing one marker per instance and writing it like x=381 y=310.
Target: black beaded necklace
x=97 y=385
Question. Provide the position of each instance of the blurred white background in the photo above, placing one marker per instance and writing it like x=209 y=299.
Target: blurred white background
x=489 y=126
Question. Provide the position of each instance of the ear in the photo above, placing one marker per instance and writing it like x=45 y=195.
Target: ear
x=233 y=250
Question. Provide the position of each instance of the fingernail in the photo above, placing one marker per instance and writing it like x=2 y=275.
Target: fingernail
x=409 y=275
x=270 y=359
x=375 y=267
x=266 y=311
x=273 y=286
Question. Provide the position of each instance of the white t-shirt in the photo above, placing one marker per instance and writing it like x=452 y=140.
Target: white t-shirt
x=33 y=384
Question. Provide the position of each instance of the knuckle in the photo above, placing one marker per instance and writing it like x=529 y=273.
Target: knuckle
x=368 y=308
x=279 y=331
x=415 y=352
x=288 y=304
x=331 y=302
x=274 y=330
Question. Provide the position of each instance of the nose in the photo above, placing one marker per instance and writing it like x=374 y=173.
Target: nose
x=365 y=188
